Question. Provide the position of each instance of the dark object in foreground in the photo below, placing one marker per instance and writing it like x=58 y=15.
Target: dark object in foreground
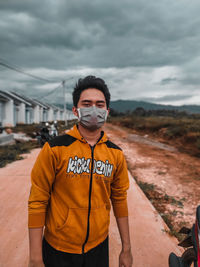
x=192 y=242
x=43 y=136
x=46 y=133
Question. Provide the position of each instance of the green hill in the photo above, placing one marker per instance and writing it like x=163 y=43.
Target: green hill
x=130 y=105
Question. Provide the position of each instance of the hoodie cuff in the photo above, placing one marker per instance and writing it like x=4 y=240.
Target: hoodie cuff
x=36 y=220
x=120 y=209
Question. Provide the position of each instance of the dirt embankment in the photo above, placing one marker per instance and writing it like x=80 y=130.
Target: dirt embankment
x=169 y=178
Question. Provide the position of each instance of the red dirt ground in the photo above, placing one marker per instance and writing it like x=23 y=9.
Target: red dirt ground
x=175 y=175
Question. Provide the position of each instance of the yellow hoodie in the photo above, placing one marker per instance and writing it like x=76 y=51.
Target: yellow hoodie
x=70 y=200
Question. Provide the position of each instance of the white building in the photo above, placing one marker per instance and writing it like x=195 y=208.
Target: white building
x=6 y=106
x=42 y=111
x=33 y=112
x=16 y=108
x=13 y=109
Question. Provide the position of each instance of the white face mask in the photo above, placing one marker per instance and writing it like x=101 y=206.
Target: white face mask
x=92 y=118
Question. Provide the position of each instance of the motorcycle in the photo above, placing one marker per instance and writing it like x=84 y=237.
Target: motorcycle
x=191 y=256
x=46 y=134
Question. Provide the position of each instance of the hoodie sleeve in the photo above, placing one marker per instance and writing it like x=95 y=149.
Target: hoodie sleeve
x=119 y=188
x=42 y=178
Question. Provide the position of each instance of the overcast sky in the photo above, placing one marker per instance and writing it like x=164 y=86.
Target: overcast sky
x=145 y=50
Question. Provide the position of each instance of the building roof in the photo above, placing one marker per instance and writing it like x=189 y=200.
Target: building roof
x=50 y=105
x=3 y=97
x=40 y=103
x=26 y=98
x=16 y=98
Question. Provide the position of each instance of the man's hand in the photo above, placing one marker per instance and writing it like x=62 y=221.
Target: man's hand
x=36 y=263
x=125 y=258
x=35 y=246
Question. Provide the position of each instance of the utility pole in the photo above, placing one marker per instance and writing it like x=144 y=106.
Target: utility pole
x=64 y=99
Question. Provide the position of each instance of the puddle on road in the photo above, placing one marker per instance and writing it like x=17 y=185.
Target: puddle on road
x=147 y=141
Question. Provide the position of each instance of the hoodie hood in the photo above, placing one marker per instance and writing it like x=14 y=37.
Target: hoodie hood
x=74 y=132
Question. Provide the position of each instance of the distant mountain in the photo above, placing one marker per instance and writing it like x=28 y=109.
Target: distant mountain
x=125 y=105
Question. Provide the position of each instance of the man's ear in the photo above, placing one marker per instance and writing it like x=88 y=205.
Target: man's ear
x=74 y=110
x=108 y=111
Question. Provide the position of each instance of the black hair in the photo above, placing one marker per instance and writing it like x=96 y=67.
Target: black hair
x=90 y=82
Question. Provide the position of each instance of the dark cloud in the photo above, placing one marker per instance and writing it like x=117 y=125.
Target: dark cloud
x=64 y=35
x=122 y=33
x=168 y=80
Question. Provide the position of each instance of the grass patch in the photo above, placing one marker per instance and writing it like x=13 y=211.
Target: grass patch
x=146 y=187
x=11 y=153
x=160 y=201
x=28 y=129
x=174 y=201
x=185 y=131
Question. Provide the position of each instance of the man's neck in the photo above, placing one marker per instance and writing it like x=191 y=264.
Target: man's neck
x=90 y=136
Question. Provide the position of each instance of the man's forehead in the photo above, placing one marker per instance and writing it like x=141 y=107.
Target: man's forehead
x=92 y=94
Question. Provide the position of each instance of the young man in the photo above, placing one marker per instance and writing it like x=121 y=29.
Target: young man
x=73 y=180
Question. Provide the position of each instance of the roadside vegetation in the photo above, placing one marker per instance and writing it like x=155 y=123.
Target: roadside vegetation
x=173 y=127
x=161 y=201
x=32 y=129
x=10 y=153
x=178 y=129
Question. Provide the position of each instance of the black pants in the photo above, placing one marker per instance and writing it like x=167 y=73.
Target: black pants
x=96 y=257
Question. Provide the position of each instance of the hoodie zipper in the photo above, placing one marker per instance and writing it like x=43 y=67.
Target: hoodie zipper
x=89 y=203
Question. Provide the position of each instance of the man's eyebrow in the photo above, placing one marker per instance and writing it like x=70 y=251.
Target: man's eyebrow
x=101 y=101
x=87 y=100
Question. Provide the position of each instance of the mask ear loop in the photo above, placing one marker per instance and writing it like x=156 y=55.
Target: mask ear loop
x=106 y=116
x=79 y=114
